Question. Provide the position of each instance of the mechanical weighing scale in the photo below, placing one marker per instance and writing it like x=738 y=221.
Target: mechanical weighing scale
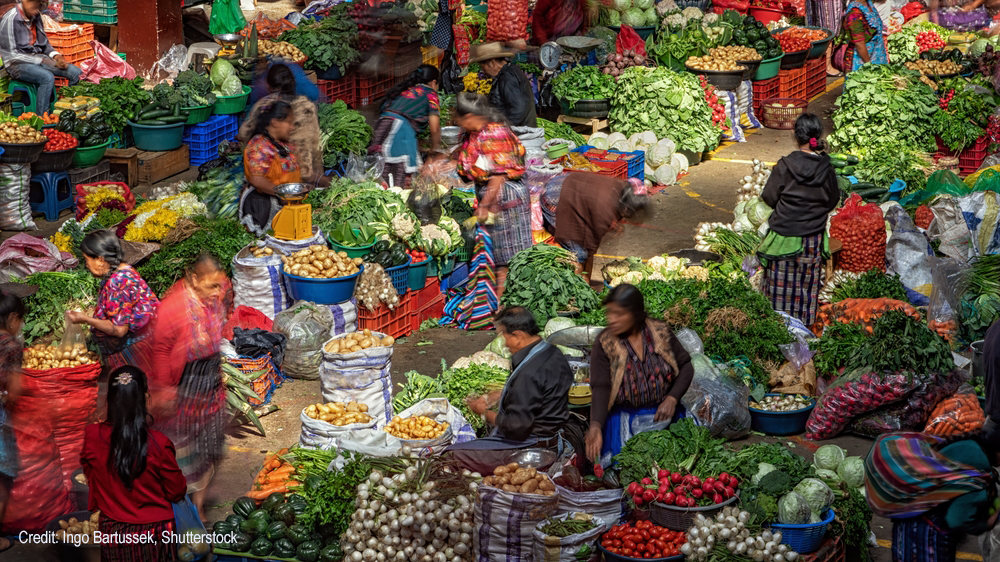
x=228 y=41
x=568 y=51
x=294 y=220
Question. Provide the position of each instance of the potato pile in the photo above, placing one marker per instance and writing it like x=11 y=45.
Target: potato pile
x=281 y=49
x=417 y=427
x=357 y=341
x=934 y=67
x=338 y=413
x=513 y=478
x=19 y=133
x=261 y=252
x=319 y=262
x=723 y=59
x=52 y=357
x=71 y=531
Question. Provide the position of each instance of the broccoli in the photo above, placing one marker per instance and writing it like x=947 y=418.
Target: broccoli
x=775 y=483
x=166 y=96
x=195 y=88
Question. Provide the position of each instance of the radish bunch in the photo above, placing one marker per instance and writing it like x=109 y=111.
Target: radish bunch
x=618 y=62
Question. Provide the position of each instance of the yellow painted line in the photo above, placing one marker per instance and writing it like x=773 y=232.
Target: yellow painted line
x=603 y=256
x=238 y=449
x=958 y=555
x=738 y=161
x=695 y=195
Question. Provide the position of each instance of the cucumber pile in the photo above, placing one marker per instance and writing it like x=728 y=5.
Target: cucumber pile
x=154 y=115
x=844 y=165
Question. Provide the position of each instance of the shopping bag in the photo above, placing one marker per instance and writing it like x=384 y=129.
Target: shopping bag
x=226 y=17
x=194 y=541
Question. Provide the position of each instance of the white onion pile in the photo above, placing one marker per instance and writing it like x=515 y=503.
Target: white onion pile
x=398 y=518
x=728 y=528
x=751 y=186
x=704 y=230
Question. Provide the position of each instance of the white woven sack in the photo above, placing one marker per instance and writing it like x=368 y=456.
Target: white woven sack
x=318 y=434
x=258 y=283
x=574 y=548
x=372 y=358
x=366 y=386
x=609 y=505
x=504 y=524
x=345 y=318
x=15 y=186
x=287 y=247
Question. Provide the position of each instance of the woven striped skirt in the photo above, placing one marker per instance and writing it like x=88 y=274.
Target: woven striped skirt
x=136 y=351
x=922 y=539
x=793 y=284
x=119 y=550
x=511 y=229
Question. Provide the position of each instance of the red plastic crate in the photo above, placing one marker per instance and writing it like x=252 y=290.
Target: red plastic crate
x=434 y=309
x=792 y=83
x=395 y=323
x=763 y=90
x=371 y=88
x=832 y=550
x=342 y=89
x=972 y=157
x=815 y=77
x=426 y=295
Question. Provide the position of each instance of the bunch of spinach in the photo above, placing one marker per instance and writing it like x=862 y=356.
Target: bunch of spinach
x=853 y=521
x=543 y=279
x=121 y=99
x=835 y=348
x=331 y=42
x=872 y=284
x=965 y=118
x=885 y=163
x=57 y=293
x=354 y=204
x=901 y=343
x=472 y=381
x=221 y=237
x=583 y=83
x=683 y=447
x=333 y=495
x=884 y=104
x=345 y=132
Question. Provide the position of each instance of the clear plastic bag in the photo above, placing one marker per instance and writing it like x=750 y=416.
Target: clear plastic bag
x=689 y=340
x=797 y=352
x=717 y=401
x=946 y=294
x=72 y=337
x=364 y=168
x=957 y=415
x=307 y=327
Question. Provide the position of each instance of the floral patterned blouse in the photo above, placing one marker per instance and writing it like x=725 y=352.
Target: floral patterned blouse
x=417 y=105
x=261 y=152
x=647 y=380
x=126 y=300
x=493 y=151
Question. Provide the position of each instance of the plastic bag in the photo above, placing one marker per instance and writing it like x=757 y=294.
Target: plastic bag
x=507 y=20
x=227 y=17
x=911 y=413
x=257 y=343
x=988 y=180
x=451 y=74
x=850 y=396
x=572 y=548
x=307 y=326
x=190 y=527
x=24 y=254
x=797 y=352
x=941 y=182
x=105 y=64
x=72 y=336
x=861 y=230
x=946 y=294
x=717 y=401
x=627 y=40
x=364 y=168
x=425 y=199
x=909 y=254
x=957 y=415
x=690 y=341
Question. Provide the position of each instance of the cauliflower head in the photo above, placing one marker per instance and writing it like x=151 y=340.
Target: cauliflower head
x=710 y=18
x=692 y=13
x=403 y=226
x=435 y=240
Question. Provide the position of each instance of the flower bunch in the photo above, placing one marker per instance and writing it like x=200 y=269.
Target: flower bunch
x=62 y=241
x=476 y=84
x=153 y=220
x=94 y=200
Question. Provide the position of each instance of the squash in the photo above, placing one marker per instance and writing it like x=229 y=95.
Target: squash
x=254 y=526
x=241 y=542
x=276 y=530
x=331 y=553
x=284 y=513
x=261 y=547
x=308 y=551
x=234 y=521
x=244 y=507
x=297 y=534
x=283 y=548
x=261 y=514
x=272 y=502
x=222 y=528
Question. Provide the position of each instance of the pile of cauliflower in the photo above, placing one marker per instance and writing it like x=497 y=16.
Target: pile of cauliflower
x=659 y=268
x=662 y=162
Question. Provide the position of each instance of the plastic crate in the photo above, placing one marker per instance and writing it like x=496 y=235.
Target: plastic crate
x=832 y=550
x=93 y=11
x=97 y=173
x=972 y=157
x=634 y=161
x=792 y=83
x=123 y=140
x=764 y=89
x=424 y=296
x=371 y=88
x=265 y=384
x=396 y=323
x=815 y=77
x=431 y=55
x=342 y=89
x=203 y=139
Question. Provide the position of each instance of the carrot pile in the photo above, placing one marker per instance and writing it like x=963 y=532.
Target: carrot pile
x=267 y=28
x=947 y=329
x=276 y=476
x=858 y=311
x=957 y=415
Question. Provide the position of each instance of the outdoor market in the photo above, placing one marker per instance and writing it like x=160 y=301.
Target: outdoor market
x=518 y=280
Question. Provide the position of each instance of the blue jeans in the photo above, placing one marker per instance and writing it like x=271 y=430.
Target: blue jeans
x=44 y=77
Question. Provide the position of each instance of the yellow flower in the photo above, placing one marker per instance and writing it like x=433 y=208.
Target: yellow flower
x=102 y=194
x=62 y=241
x=155 y=228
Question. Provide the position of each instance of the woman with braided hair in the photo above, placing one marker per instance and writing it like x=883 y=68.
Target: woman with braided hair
x=409 y=109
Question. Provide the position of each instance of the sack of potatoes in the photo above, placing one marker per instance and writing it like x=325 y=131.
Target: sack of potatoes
x=358 y=341
x=339 y=413
x=42 y=357
x=319 y=262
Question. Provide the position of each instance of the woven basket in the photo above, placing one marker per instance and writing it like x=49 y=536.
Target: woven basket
x=682 y=518
x=774 y=115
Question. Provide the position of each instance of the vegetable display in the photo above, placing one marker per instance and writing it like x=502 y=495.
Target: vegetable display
x=374 y=288
x=561 y=131
x=731 y=535
x=520 y=480
x=121 y=99
x=320 y=262
x=353 y=204
x=643 y=539
x=13 y=132
x=357 y=341
x=190 y=89
x=723 y=59
x=345 y=132
x=59 y=140
x=56 y=357
x=281 y=49
x=981 y=296
x=687 y=490
x=752 y=33
x=563 y=528
x=957 y=415
x=543 y=279
x=416 y=427
x=783 y=403
x=508 y=21
x=872 y=284
x=57 y=293
x=618 y=62
x=331 y=42
x=339 y=413
x=683 y=448
x=583 y=83
x=963 y=114
x=472 y=381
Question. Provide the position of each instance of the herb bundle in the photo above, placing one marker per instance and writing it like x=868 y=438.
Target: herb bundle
x=543 y=279
x=963 y=118
x=835 y=348
x=57 y=293
x=472 y=381
x=345 y=132
x=223 y=238
x=353 y=204
x=583 y=83
x=873 y=284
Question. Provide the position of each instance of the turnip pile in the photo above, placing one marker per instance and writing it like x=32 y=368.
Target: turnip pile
x=620 y=61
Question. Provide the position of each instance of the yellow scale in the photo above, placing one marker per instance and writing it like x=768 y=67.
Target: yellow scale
x=228 y=41
x=294 y=220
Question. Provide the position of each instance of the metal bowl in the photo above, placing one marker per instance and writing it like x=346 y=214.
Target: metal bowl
x=578 y=43
x=539 y=459
x=292 y=189
x=227 y=39
x=451 y=134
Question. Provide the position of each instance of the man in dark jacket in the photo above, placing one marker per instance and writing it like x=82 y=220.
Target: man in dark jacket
x=511 y=93
x=991 y=386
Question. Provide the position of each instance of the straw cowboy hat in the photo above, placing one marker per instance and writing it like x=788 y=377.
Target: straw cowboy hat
x=489 y=51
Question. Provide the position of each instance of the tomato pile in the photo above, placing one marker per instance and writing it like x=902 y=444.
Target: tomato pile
x=792 y=43
x=805 y=33
x=683 y=490
x=59 y=140
x=928 y=40
x=783 y=5
x=946 y=99
x=644 y=540
x=861 y=230
x=417 y=256
x=509 y=20
x=718 y=111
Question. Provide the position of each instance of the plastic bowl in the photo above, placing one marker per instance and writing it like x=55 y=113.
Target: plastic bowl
x=55 y=161
x=768 y=68
x=322 y=291
x=417 y=275
x=351 y=251
x=751 y=71
x=619 y=558
x=227 y=105
x=728 y=80
x=780 y=423
x=86 y=157
x=557 y=151
x=198 y=114
x=158 y=138
x=21 y=153
x=794 y=60
x=806 y=538
x=597 y=109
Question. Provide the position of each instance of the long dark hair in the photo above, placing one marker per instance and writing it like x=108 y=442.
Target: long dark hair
x=281 y=80
x=279 y=110
x=628 y=297
x=632 y=205
x=104 y=244
x=129 y=423
x=808 y=130
x=10 y=304
x=424 y=74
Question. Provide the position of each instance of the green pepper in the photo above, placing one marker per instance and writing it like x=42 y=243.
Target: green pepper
x=308 y=551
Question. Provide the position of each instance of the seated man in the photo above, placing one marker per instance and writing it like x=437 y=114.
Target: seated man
x=533 y=409
x=28 y=55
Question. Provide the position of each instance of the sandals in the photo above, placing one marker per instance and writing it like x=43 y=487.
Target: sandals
x=10 y=544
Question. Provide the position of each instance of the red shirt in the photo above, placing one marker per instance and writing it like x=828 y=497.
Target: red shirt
x=160 y=485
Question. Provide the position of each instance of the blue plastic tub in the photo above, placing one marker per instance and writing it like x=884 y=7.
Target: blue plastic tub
x=804 y=538
x=780 y=423
x=400 y=276
x=322 y=291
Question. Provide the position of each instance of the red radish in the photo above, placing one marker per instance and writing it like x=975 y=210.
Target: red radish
x=669 y=498
x=697 y=493
x=676 y=478
x=649 y=496
x=717 y=498
x=647 y=481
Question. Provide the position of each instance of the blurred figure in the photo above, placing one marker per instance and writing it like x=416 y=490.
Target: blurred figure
x=303 y=86
x=11 y=320
x=552 y=19
x=511 y=94
x=409 y=109
x=125 y=304
x=492 y=156
x=965 y=5
x=827 y=14
x=863 y=30
x=580 y=208
x=268 y=161
x=189 y=399
x=132 y=472
x=304 y=138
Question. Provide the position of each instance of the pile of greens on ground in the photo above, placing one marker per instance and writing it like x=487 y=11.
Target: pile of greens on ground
x=223 y=238
x=121 y=99
x=543 y=279
x=674 y=103
x=354 y=205
x=472 y=381
x=885 y=163
x=836 y=347
x=345 y=132
x=57 y=293
x=583 y=83
x=331 y=42
x=332 y=494
x=561 y=131
x=872 y=284
x=683 y=447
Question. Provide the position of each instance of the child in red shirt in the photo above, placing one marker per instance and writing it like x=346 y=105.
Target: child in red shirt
x=132 y=473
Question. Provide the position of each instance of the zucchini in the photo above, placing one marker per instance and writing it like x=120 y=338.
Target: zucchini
x=152 y=122
x=838 y=163
x=863 y=185
x=149 y=107
x=154 y=113
x=852 y=159
x=173 y=119
x=847 y=171
x=872 y=193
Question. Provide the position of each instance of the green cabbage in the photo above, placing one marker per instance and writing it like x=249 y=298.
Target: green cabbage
x=556 y=324
x=621 y=5
x=231 y=86
x=652 y=18
x=852 y=472
x=978 y=47
x=499 y=346
x=614 y=19
x=634 y=17
x=793 y=509
x=643 y=4
x=222 y=69
x=818 y=495
x=828 y=457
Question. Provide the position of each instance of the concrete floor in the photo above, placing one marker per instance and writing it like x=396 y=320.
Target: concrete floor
x=706 y=194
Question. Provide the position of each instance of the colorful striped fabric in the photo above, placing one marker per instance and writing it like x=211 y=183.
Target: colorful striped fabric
x=471 y=306
x=905 y=475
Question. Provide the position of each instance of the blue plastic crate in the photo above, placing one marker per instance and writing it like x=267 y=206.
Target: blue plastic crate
x=203 y=139
x=636 y=160
x=591 y=58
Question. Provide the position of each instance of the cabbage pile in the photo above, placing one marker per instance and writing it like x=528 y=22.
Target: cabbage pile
x=662 y=164
x=837 y=470
x=633 y=13
x=836 y=475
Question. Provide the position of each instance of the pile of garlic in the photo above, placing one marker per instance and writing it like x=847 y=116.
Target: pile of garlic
x=751 y=186
x=728 y=528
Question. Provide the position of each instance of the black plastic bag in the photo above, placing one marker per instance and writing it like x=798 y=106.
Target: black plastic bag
x=451 y=73
x=256 y=342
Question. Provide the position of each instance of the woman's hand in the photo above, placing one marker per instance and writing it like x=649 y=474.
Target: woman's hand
x=594 y=441
x=477 y=405
x=77 y=317
x=666 y=410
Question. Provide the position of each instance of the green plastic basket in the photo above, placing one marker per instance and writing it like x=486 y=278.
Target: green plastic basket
x=768 y=69
x=351 y=251
x=157 y=138
x=198 y=114
x=86 y=157
x=228 y=105
x=447 y=266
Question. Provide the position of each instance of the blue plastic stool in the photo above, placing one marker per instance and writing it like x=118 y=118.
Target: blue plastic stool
x=56 y=194
x=30 y=89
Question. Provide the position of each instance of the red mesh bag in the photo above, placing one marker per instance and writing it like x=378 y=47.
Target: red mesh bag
x=507 y=20
x=628 y=39
x=247 y=318
x=861 y=230
x=40 y=493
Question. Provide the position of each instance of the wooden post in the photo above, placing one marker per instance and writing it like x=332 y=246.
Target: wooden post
x=147 y=29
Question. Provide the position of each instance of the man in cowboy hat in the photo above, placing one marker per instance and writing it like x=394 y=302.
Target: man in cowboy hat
x=511 y=93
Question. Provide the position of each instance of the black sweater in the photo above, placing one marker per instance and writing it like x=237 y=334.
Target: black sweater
x=802 y=190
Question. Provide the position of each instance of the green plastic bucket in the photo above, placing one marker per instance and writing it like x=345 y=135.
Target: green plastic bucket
x=447 y=266
x=157 y=138
x=768 y=69
x=198 y=114
x=228 y=105
x=86 y=157
x=418 y=275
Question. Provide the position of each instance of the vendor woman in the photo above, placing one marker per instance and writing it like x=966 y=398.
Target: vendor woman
x=125 y=304
x=637 y=368
x=268 y=162
x=409 y=109
x=533 y=409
